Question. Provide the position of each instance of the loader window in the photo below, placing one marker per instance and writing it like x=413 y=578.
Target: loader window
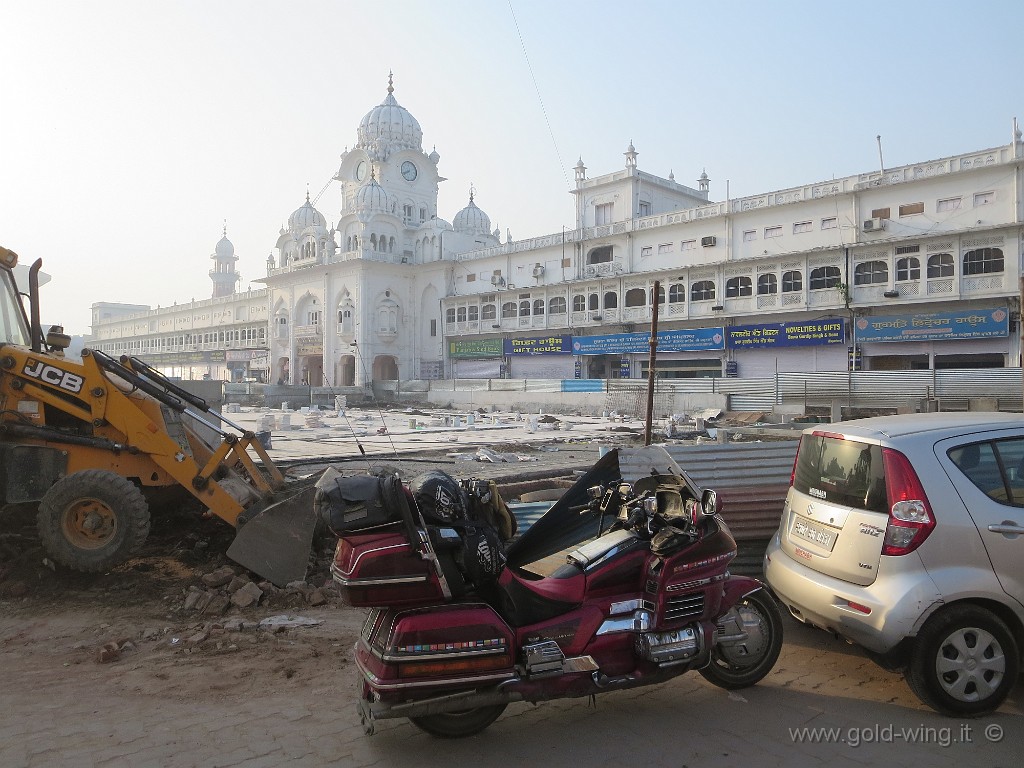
x=12 y=321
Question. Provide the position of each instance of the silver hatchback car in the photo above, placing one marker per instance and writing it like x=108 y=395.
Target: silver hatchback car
x=903 y=534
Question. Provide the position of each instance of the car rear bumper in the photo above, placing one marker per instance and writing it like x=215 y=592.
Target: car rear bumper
x=900 y=596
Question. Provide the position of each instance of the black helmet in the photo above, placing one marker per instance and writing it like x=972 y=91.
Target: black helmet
x=438 y=496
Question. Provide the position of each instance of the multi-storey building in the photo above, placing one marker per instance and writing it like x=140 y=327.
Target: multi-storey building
x=894 y=269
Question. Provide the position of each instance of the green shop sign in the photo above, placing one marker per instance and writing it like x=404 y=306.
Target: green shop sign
x=470 y=348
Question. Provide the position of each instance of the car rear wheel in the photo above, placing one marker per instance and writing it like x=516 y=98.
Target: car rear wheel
x=964 y=663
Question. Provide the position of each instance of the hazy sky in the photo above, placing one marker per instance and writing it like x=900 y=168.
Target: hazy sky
x=130 y=130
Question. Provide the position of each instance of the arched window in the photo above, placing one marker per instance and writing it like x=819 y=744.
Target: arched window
x=579 y=303
x=661 y=295
x=767 y=285
x=792 y=281
x=908 y=268
x=983 y=261
x=703 y=290
x=611 y=300
x=488 y=312
x=556 y=306
x=508 y=309
x=538 y=306
x=871 y=272
x=600 y=255
x=593 y=302
x=524 y=308
x=940 y=265
x=474 y=313
x=391 y=245
x=636 y=297
x=373 y=242
x=738 y=286
x=461 y=314
x=825 y=277
x=449 y=315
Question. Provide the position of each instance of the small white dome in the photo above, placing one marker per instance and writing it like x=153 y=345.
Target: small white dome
x=472 y=220
x=225 y=250
x=305 y=217
x=372 y=197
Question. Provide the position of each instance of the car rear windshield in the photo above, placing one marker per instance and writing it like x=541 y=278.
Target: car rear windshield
x=841 y=472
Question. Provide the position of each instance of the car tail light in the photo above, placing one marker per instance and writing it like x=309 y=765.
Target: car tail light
x=910 y=514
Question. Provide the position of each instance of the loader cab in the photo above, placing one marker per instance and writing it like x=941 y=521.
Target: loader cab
x=14 y=327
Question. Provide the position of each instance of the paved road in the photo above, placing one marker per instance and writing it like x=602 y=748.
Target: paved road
x=89 y=715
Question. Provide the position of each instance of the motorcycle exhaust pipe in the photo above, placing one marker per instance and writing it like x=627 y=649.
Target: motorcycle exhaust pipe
x=440 y=705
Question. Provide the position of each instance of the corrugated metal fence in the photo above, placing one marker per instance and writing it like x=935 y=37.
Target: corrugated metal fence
x=947 y=389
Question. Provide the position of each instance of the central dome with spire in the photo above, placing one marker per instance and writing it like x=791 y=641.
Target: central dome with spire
x=389 y=127
x=472 y=220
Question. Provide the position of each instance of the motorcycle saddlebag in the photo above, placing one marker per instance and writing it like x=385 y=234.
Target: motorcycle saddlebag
x=460 y=645
x=381 y=568
x=354 y=503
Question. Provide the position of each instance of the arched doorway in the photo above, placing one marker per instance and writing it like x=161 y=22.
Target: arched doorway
x=385 y=368
x=311 y=370
x=347 y=371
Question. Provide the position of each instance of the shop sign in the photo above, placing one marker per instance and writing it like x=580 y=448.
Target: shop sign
x=809 y=333
x=544 y=345
x=935 y=326
x=465 y=349
x=690 y=340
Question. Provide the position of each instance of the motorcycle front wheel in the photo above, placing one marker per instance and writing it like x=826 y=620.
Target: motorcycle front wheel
x=456 y=725
x=744 y=664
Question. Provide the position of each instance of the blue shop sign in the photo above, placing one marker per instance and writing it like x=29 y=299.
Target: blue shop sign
x=799 y=334
x=544 y=345
x=691 y=340
x=935 y=326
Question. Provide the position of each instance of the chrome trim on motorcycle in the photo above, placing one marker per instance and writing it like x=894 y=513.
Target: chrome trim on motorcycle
x=640 y=621
x=677 y=645
x=627 y=606
x=361 y=555
x=344 y=581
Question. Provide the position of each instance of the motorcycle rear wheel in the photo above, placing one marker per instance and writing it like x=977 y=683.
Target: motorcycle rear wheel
x=731 y=671
x=456 y=725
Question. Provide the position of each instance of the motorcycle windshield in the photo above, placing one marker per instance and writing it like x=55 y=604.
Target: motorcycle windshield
x=562 y=526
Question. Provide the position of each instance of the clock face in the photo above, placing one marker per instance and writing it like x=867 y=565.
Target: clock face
x=408 y=171
x=361 y=170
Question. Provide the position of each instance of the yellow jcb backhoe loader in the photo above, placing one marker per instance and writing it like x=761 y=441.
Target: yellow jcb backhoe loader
x=94 y=441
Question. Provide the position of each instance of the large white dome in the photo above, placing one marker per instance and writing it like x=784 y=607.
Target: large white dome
x=225 y=249
x=389 y=127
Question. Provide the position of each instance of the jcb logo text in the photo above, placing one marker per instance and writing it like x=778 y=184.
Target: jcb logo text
x=49 y=374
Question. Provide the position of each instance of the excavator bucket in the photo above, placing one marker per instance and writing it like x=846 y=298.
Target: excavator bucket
x=274 y=537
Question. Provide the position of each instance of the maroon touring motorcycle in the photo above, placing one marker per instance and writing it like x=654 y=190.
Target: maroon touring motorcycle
x=624 y=582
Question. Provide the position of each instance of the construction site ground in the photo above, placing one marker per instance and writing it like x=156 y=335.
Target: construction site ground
x=179 y=658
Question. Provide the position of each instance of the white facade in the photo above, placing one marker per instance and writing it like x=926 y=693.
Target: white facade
x=385 y=293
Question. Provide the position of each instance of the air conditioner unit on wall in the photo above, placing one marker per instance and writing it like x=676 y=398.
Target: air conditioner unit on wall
x=497 y=279
x=708 y=241
x=873 y=225
x=538 y=269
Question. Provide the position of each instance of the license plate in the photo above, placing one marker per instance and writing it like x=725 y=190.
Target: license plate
x=815 y=534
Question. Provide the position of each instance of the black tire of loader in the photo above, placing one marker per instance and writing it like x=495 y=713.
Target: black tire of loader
x=113 y=496
x=457 y=725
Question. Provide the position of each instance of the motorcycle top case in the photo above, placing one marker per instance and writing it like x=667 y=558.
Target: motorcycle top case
x=382 y=568
x=355 y=503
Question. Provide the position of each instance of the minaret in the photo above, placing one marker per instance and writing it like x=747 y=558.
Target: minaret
x=223 y=273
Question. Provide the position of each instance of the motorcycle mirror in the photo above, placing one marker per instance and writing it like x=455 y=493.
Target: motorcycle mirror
x=624 y=490
x=595 y=492
x=709 y=503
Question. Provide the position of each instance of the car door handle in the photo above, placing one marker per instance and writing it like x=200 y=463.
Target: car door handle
x=1007 y=527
